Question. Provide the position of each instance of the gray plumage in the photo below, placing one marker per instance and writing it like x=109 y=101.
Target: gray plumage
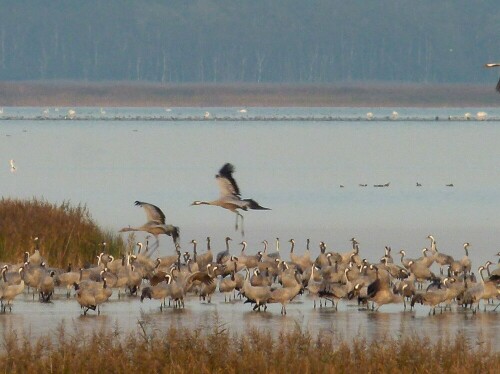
x=156 y=223
x=223 y=256
x=230 y=197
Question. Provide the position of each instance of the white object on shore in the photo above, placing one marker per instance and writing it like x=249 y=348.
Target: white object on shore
x=481 y=116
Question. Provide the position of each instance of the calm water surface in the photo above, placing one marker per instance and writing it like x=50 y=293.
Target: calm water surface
x=345 y=323
x=294 y=167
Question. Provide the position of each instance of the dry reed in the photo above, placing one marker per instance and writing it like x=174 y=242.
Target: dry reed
x=66 y=233
x=216 y=350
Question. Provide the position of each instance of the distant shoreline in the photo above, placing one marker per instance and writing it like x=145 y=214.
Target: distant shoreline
x=140 y=94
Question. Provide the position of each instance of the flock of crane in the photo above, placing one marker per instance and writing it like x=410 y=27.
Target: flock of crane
x=262 y=278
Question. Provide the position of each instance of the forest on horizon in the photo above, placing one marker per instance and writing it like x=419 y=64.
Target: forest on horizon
x=281 y=41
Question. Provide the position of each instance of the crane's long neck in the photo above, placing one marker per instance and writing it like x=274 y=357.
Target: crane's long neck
x=293 y=246
x=481 y=274
x=247 y=276
x=298 y=286
x=433 y=245
x=488 y=269
x=203 y=203
x=194 y=252
x=347 y=282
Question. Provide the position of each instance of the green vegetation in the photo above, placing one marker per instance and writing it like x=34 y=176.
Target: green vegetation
x=181 y=350
x=66 y=233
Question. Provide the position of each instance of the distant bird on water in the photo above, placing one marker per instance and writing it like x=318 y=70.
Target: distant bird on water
x=155 y=224
x=12 y=166
x=492 y=65
x=230 y=195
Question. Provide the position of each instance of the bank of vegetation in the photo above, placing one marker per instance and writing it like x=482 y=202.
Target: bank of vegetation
x=182 y=350
x=66 y=232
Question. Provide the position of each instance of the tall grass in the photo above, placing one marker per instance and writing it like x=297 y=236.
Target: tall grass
x=182 y=350
x=66 y=233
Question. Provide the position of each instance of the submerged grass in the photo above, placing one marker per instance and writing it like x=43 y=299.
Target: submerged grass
x=183 y=350
x=67 y=233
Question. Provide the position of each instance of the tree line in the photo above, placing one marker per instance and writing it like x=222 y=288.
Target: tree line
x=314 y=41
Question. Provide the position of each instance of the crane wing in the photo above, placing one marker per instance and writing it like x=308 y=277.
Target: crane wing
x=227 y=184
x=153 y=213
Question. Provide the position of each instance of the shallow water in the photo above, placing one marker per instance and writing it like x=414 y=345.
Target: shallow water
x=294 y=167
x=347 y=322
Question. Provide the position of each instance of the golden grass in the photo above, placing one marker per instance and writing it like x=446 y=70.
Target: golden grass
x=144 y=94
x=67 y=233
x=181 y=350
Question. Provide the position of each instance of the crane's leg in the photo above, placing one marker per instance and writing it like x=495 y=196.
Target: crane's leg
x=238 y=214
